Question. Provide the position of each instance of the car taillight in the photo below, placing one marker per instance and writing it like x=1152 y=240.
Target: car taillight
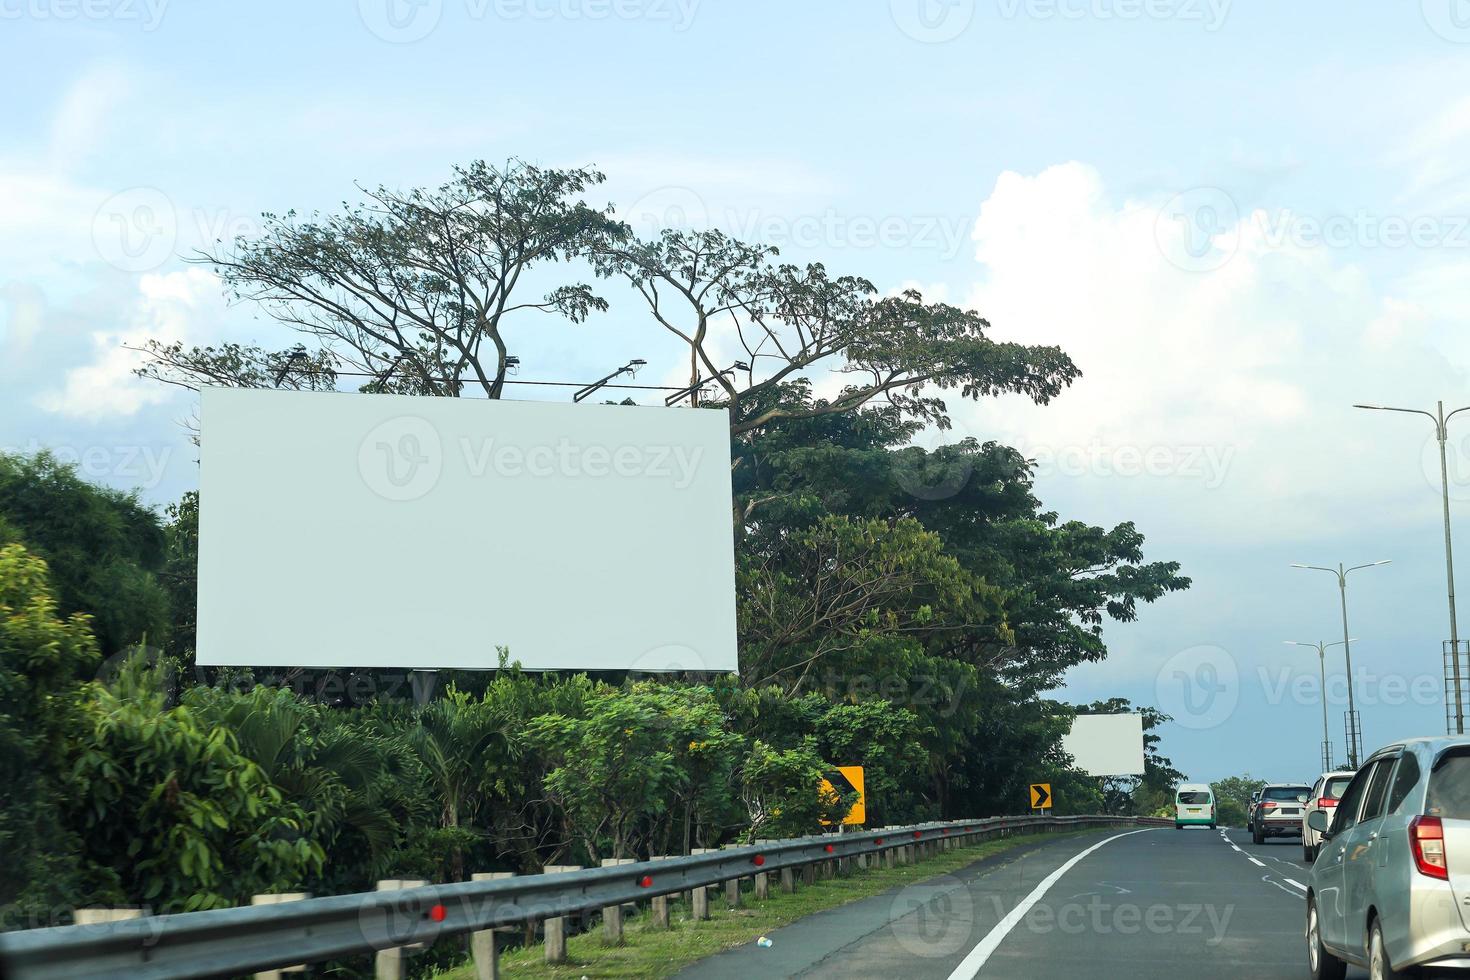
x=1325 y=802
x=1426 y=841
x=1268 y=806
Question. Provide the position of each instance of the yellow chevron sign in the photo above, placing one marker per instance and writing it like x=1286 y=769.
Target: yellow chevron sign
x=853 y=775
x=1041 y=796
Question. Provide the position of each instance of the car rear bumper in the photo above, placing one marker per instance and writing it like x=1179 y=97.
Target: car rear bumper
x=1284 y=827
x=1194 y=821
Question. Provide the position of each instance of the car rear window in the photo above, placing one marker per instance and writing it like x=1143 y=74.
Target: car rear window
x=1285 y=792
x=1449 y=787
x=1194 y=797
x=1335 y=786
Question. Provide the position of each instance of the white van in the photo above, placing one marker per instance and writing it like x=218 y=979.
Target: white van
x=1194 y=805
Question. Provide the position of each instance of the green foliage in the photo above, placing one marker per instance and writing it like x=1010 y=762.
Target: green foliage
x=104 y=548
x=1233 y=796
x=206 y=827
x=41 y=655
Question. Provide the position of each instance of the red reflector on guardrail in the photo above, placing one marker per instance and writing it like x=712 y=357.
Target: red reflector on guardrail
x=645 y=882
x=918 y=834
x=878 y=841
x=758 y=860
x=829 y=848
x=436 y=913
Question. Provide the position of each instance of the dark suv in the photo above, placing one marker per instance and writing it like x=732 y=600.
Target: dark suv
x=1279 y=811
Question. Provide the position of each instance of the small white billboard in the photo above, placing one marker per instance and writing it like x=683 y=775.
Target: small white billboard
x=349 y=530
x=1106 y=745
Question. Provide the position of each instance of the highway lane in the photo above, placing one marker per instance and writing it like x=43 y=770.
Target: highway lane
x=1160 y=903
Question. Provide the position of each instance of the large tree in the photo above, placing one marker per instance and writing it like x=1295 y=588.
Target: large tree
x=723 y=298
x=415 y=290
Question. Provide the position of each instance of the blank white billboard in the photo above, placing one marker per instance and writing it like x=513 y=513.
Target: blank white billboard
x=349 y=530
x=1106 y=745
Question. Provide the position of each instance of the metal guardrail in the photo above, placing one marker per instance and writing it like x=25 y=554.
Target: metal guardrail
x=230 y=942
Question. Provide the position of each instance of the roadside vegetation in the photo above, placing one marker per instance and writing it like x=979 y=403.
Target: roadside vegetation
x=905 y=609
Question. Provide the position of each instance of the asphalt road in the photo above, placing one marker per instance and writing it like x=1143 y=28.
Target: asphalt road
x=1160 y=903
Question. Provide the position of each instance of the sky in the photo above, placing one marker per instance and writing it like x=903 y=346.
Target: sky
x=1238 y=219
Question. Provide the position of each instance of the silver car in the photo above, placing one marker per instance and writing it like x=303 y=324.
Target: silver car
x=1390 y=889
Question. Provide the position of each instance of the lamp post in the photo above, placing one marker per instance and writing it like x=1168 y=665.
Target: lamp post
x=1354 y=731
x=630 y=369
x=1441 y=433
x=1321 y=649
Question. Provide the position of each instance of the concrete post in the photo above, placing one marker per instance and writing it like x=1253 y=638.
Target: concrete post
x=482 y=942
x=788 y=880
x=762 y=879
x=555 y=930
x=388 y=964
x=279 y=971
x=699 y=898
x=92 y=917
x=732 y=887
x=612 y=915
x=659 y=917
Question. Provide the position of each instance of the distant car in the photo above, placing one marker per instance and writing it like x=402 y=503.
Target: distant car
x=1278 y=813
x=1194 y=805
x=1390 y=889
x=1250 y=811
x=1326 y=791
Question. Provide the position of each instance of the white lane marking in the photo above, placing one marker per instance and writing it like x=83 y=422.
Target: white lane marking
x=1254 y=861
x=975 y=960
x=1273 y=882
x=1295 y=884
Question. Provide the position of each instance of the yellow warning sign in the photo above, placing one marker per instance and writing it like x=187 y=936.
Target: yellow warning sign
x=1041 y=796
x=853 y=776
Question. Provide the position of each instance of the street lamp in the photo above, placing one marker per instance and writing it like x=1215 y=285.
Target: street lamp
x=1321 y=649
x=1354 y=730
x=630 y=369
x=694 y=388
x=1441 y=432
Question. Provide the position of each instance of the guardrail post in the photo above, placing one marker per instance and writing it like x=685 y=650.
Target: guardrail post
x=659 y=917
x=699 y=898
x=482 y=942
x=732 y=887
x=279 y=971
x=788 y=880
x=388 y=964
x=555 y=930
x=762 y=879
x=92 y=917
x=612 y=915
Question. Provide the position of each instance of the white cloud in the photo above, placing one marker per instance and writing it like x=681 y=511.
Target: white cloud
x=167 y=308
x=1214 y=397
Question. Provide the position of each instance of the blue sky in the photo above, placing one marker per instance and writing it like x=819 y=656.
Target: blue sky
x=1238 y=218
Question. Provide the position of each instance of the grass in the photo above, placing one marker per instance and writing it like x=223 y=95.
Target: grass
x=648 y=952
